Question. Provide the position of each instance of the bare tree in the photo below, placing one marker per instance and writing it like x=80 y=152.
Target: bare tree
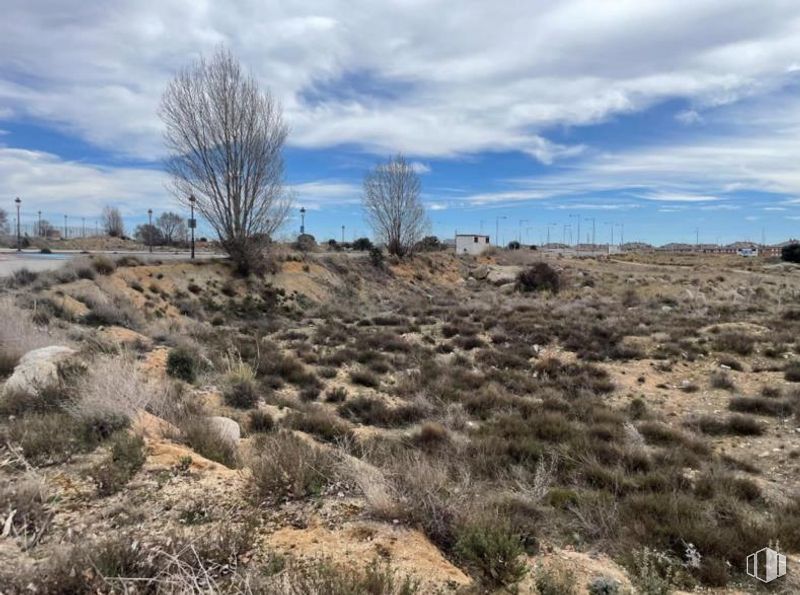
x=393 y=205
x=112 y=222
x=172 y=227
x=3 y=222
x=225 y=137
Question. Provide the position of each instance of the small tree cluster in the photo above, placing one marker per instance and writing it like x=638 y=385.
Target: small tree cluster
x=791 y=252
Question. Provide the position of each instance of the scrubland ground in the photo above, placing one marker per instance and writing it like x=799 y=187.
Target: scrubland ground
x=350 y=426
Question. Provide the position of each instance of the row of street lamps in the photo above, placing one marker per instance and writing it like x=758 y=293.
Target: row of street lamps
x=192 y=224
x=565 y=228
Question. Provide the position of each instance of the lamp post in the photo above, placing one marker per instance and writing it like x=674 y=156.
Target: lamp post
x=578 y=243
x=497 y=229
x=39 y=224
x=19 y=236
x=342 y=234
x=192 y=221
x=592 y=219
x=150 y=229
x=302 y=220
x=519 y=233
x=65 y=228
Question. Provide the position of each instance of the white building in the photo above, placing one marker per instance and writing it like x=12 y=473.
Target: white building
x=471 y=244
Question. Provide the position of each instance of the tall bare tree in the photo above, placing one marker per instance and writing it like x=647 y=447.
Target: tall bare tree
x=225 y=137
x=393 y=205
x=112 y=222
x=172 y=227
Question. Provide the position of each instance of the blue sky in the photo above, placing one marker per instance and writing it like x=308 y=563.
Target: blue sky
x=659 y=119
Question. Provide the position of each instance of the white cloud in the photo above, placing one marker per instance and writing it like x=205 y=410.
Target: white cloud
x=689 y=117
x=388 y=77
x=318 y=194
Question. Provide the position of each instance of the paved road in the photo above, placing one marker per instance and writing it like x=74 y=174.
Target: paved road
x=11 y=260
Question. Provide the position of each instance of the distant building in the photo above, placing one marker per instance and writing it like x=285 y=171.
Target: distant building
x=471 y=244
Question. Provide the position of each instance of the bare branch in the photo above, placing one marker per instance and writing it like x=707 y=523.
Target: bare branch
x=393 y=205
x=225 y=139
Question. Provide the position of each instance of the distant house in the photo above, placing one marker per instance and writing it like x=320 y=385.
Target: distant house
x=471 y=244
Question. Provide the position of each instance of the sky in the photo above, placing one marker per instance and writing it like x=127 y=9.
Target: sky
x=656 y=121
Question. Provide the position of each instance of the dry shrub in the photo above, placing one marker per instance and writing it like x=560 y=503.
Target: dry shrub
x=203 y=437
x=321 y=423
x=18 y=335
x=762 y=406
x=113 y=387
x=25 y=503
x=375 y=412
x=126 y=457
x=539 y=277
x=285 y=467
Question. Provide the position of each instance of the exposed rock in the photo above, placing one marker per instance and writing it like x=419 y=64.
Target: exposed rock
x=227 y=428
x=38 y=369
x=502 y=275
x=480 y=273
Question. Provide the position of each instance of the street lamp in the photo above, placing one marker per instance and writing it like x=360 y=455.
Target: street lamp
x=66 y=235
x=19 y=236
x=578 y=243
x=39 y=225
x=192 y=221
x=592 y=219
x=519 y=233
x=302 y=220
x=342 y=234
x=497 y=229
x=150 y=229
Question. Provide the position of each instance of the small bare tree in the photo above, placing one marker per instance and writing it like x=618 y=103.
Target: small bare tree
x=225 y=137
x=394 y=207
x=112 y=222
x=172 y=228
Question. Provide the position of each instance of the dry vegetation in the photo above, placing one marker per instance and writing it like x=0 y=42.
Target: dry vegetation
x=643 y=412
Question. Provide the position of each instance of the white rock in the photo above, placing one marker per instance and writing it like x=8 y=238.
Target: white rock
x=38 y=369
x=227 y=428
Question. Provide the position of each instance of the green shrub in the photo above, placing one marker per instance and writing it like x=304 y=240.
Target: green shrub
x=792 y=371
x=493 y=550
x=761 y=406
x=242 y=394
x=46 y=438
x=603 y=585
x=181 y=364
x=555 y=580
x=321 y=423
x=364 y=377
x=539 y=277
x=260 y=422
x=791 y=252
x=375 y=412
x=126 y=458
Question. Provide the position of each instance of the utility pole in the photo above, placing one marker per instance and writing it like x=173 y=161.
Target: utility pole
x=519 y=233
x=497 y=229
x=622 y=235
x=611 y=224
x=192 y=221
x=592 y=219
x=66 y=235
x=150 y=229
x=19 y=235
x=697 y=237
x=39 y=224
x=83 y=227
